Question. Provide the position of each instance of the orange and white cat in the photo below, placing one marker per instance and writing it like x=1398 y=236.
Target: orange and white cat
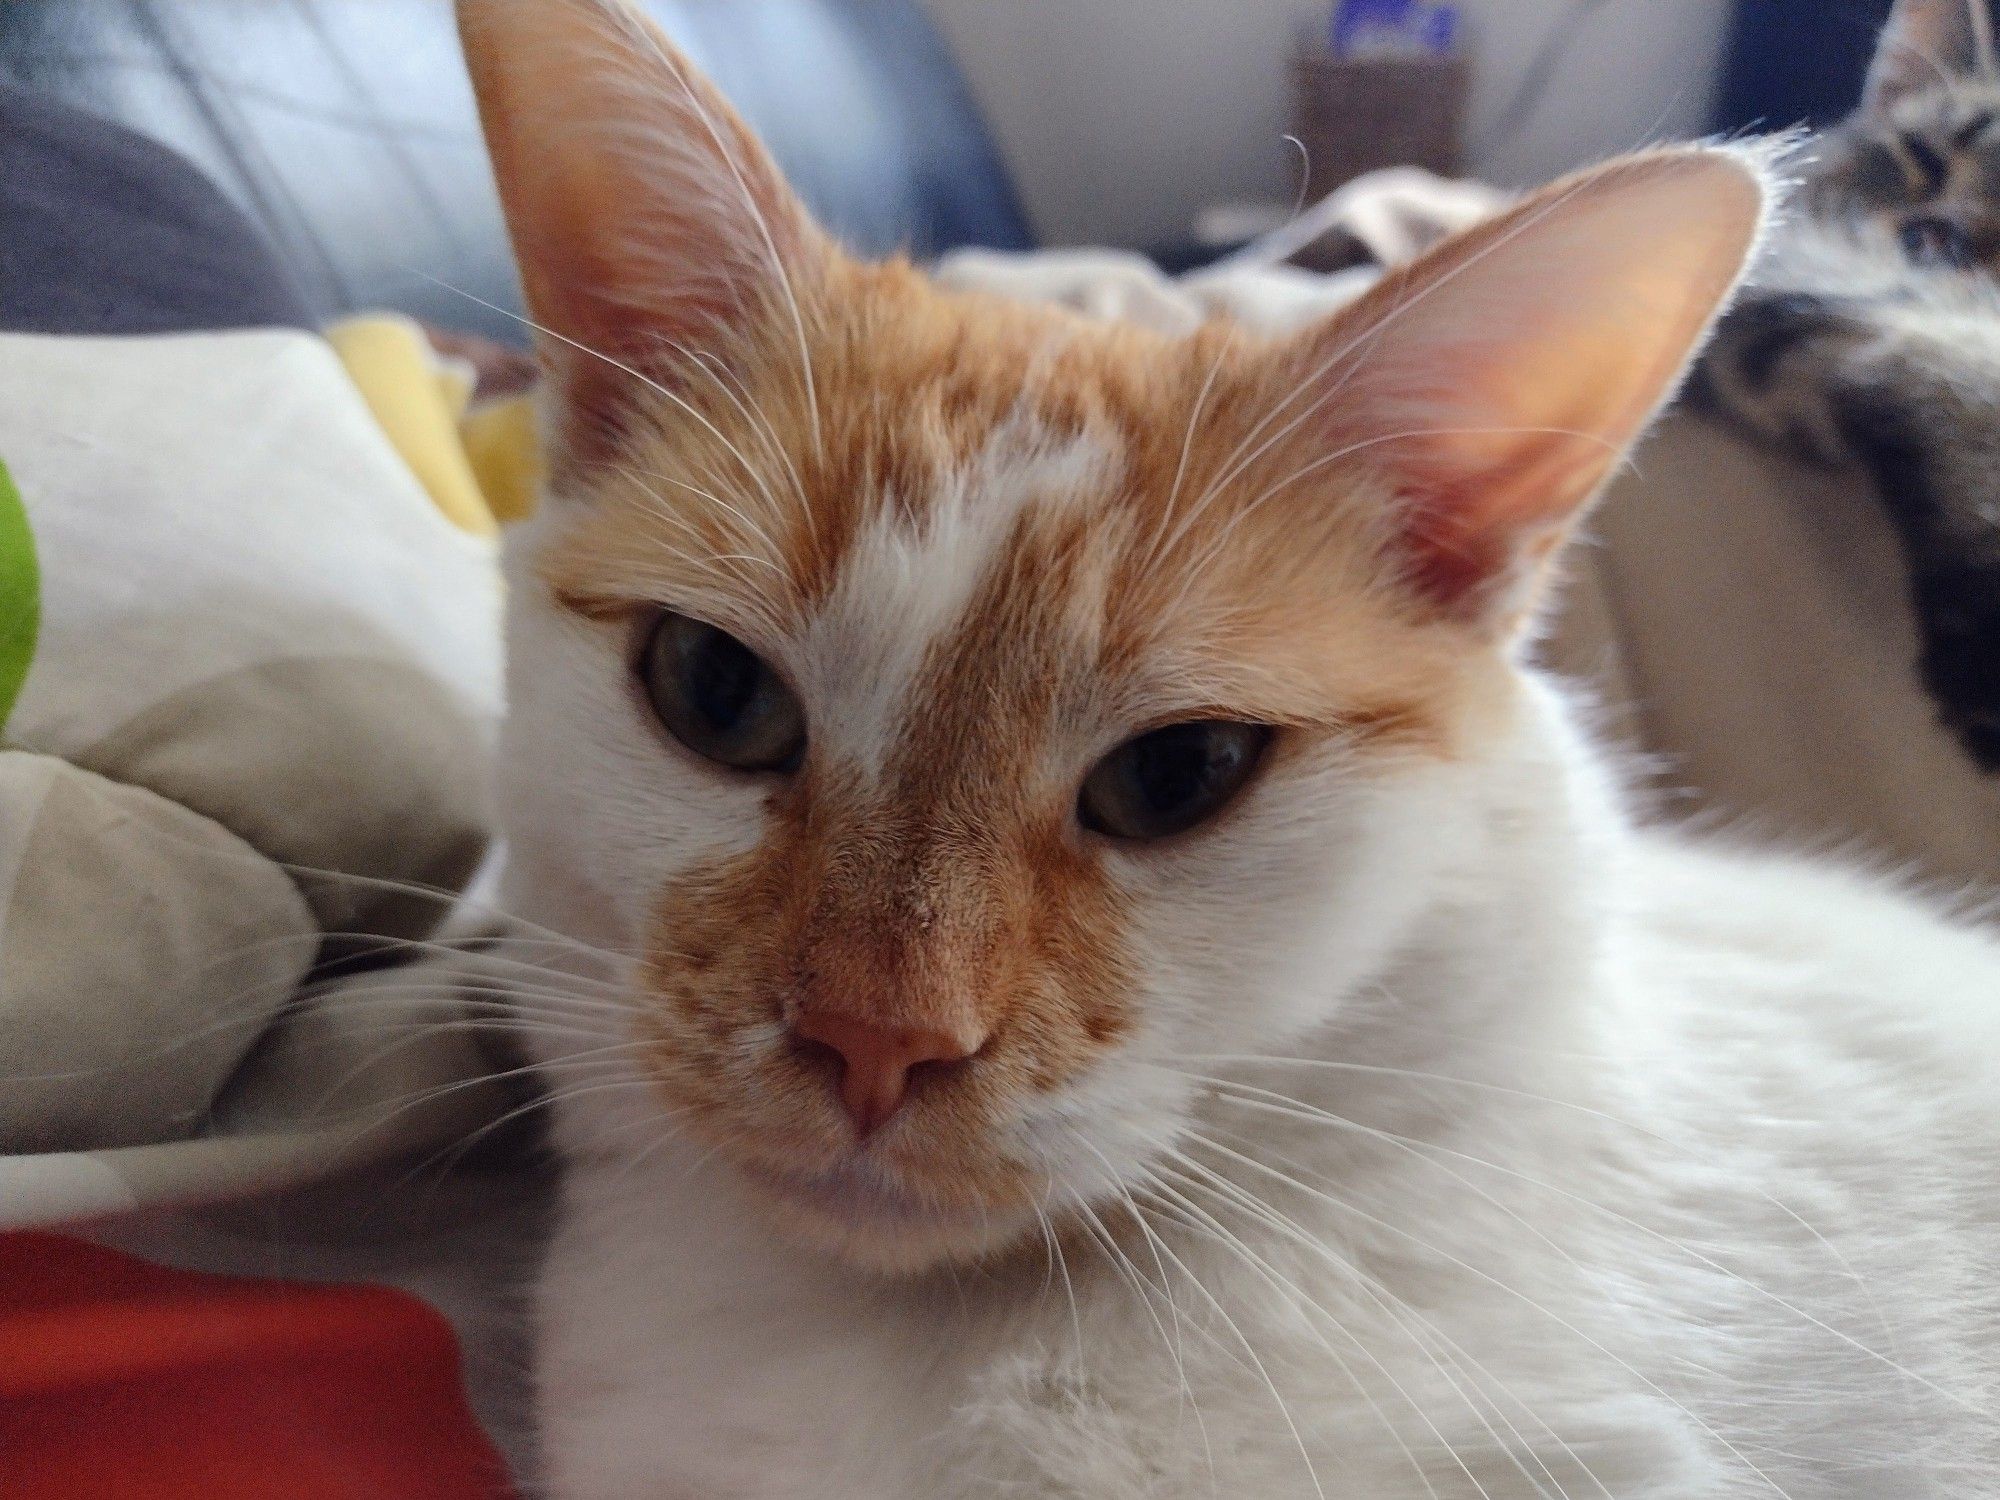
x=1115 y=980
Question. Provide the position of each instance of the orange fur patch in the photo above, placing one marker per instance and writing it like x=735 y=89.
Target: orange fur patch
x=1268 y=590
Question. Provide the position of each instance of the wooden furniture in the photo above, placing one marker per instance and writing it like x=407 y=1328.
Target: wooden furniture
x=1355 y=115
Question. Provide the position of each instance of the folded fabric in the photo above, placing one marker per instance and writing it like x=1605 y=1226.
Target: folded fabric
x=1122 y=286
x=1392 y=216
x=120 y=1378
x=259 y=681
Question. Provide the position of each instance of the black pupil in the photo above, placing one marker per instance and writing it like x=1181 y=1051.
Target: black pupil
x=722 y=678
x=1182 y=764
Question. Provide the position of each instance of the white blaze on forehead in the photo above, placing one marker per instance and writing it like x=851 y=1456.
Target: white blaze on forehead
x=906 y=583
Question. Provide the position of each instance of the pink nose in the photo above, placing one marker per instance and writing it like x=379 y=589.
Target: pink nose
x=875 y=1061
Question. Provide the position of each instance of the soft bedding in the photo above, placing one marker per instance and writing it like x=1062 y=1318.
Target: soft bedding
x=252 y=733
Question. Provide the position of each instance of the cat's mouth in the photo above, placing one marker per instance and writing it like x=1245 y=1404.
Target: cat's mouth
x=862 y=1195
x=861 y=1210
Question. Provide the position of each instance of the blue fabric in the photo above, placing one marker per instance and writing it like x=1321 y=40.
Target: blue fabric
x=1794 y=62
x=868 y=114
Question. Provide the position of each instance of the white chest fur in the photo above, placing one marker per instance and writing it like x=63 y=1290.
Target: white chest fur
x=1743 y=1267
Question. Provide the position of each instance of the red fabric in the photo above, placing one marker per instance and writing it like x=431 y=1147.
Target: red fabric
x=123 y=1379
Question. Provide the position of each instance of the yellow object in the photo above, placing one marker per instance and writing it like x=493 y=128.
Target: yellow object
x=480 y=465
x=503 y=443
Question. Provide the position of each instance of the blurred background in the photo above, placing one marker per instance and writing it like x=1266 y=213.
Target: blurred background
x=344 y=126
x=1124 y=119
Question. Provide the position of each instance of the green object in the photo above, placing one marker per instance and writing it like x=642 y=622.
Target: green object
x=20 y=595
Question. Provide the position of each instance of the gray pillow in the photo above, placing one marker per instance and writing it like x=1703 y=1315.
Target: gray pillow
x=110 y=232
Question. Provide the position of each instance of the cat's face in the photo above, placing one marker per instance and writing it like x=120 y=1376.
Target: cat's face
x=970 y=718
x=960 y=609
x=1922 y=155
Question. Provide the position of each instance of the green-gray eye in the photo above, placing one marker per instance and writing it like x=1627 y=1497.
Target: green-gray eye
x=719 y=698
x=1166 y=782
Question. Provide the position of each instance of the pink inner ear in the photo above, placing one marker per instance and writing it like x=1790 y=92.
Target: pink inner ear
x=1451 y=561
x=632 y=286
x=606 y=359
x=1487 y=509
x=1467 y=526
x=1459 y=569
x=1501 y=379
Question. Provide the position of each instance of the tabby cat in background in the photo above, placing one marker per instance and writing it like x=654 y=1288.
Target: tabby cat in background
x=1872 y=334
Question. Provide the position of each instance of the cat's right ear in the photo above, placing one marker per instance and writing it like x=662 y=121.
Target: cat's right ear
x=1927 y=43
x=651 y=227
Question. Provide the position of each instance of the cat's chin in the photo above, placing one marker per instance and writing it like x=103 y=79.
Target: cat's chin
x=855 y=1215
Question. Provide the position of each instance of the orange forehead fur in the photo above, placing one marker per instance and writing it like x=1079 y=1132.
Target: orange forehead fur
x=1263 y=584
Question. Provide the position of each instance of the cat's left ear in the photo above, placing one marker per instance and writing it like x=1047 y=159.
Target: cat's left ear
x=1496 y=384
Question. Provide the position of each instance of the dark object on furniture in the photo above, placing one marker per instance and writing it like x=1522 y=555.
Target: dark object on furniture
x=1355 y=115
x=345 y=128
x=1797 y=62
x=109 y=232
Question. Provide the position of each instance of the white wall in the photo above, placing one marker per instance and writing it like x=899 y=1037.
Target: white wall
x=1122 y=118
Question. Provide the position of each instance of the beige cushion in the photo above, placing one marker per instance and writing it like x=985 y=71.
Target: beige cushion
x=1743 y=621
x=99 y=918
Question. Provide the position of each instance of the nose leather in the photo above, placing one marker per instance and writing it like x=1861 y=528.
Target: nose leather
x=875 y=1061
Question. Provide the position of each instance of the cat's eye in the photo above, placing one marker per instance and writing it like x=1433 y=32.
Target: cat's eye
x=719 y=698
x=1168 y=781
